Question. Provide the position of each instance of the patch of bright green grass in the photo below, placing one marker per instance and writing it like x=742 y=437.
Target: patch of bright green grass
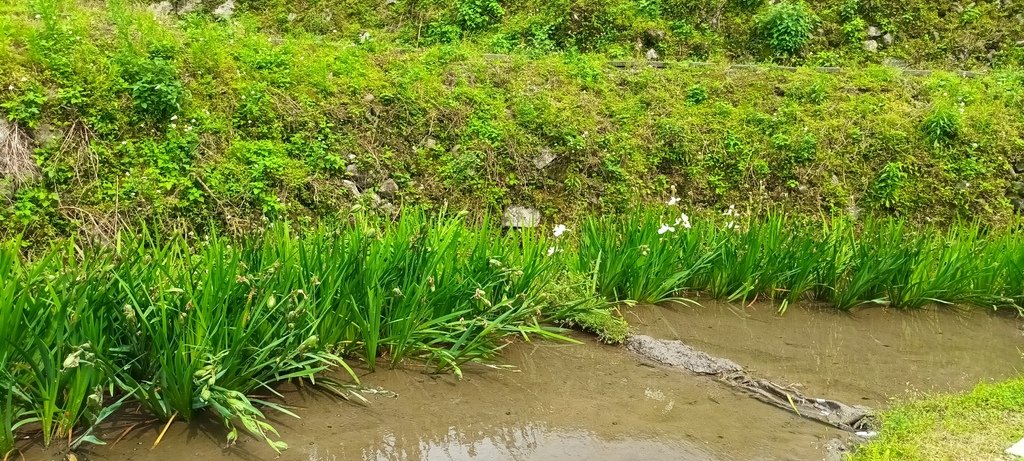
x=977 y=425
x=609 y=327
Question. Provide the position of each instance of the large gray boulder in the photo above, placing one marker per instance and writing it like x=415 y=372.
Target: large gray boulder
x=225 y=10
x=520 y=217
x=389 y=188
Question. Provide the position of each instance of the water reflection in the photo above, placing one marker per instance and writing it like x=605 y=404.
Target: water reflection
x=525 y=442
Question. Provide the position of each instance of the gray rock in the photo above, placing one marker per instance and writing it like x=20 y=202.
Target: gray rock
x=1017 y=188
x=355 y=174
x=544 y=159
x=190 y=6
x=389 y=188
x=897 y=63
x=375 y=201
x=44 y=133
x=888 y=38
x=351 y=187
x=870 y=46
x=652 y=54
x=518 y=217
x=225 y=10
x=162 y=9
x=655 y=35
x=836 y=450
x=1018 y=166
x=1018 y=204
x=874 y=31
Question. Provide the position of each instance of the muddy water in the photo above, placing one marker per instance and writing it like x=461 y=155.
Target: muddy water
x=565 y=402
x=588 y=401
x=864 y=357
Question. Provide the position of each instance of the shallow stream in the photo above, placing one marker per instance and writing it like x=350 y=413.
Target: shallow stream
x=589 y=401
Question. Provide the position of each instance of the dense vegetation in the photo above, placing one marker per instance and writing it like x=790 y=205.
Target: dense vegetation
x=145 y=148
x=651 y=256
x=113 y=114
x=930 y=33
x=183 y=327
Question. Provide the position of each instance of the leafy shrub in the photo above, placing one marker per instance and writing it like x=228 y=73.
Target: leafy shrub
x=265 y=167
x=888 y=188
x=696 y=94
x=785 y=28
x=439 y=32
x=26 y=107
x=154 y=86
x=477 y=14
x=854 y=30
x=585 y=25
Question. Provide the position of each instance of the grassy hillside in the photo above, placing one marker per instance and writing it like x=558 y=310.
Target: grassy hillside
x=117 y=112
x=829 y=32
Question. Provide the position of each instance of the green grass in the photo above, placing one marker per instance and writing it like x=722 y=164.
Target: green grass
x=203 y=123
x=979 y=424
x=184 y=327
x=647 y=257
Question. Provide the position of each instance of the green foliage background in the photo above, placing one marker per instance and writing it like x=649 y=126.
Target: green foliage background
x=194 y=121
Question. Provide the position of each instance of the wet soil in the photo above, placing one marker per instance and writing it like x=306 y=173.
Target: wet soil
x=564 y=402
x=865 y=357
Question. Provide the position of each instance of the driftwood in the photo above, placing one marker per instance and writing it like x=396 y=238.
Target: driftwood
x=676 y=354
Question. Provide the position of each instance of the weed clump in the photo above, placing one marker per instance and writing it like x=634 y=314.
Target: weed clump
x=609 y=327
x=785 y=28
x=942 y=124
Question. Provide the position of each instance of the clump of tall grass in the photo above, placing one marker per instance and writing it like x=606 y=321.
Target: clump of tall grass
x=645 y=257
x=429 y=288
x=649 y=256
x=208 y=326
x=184 y=327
